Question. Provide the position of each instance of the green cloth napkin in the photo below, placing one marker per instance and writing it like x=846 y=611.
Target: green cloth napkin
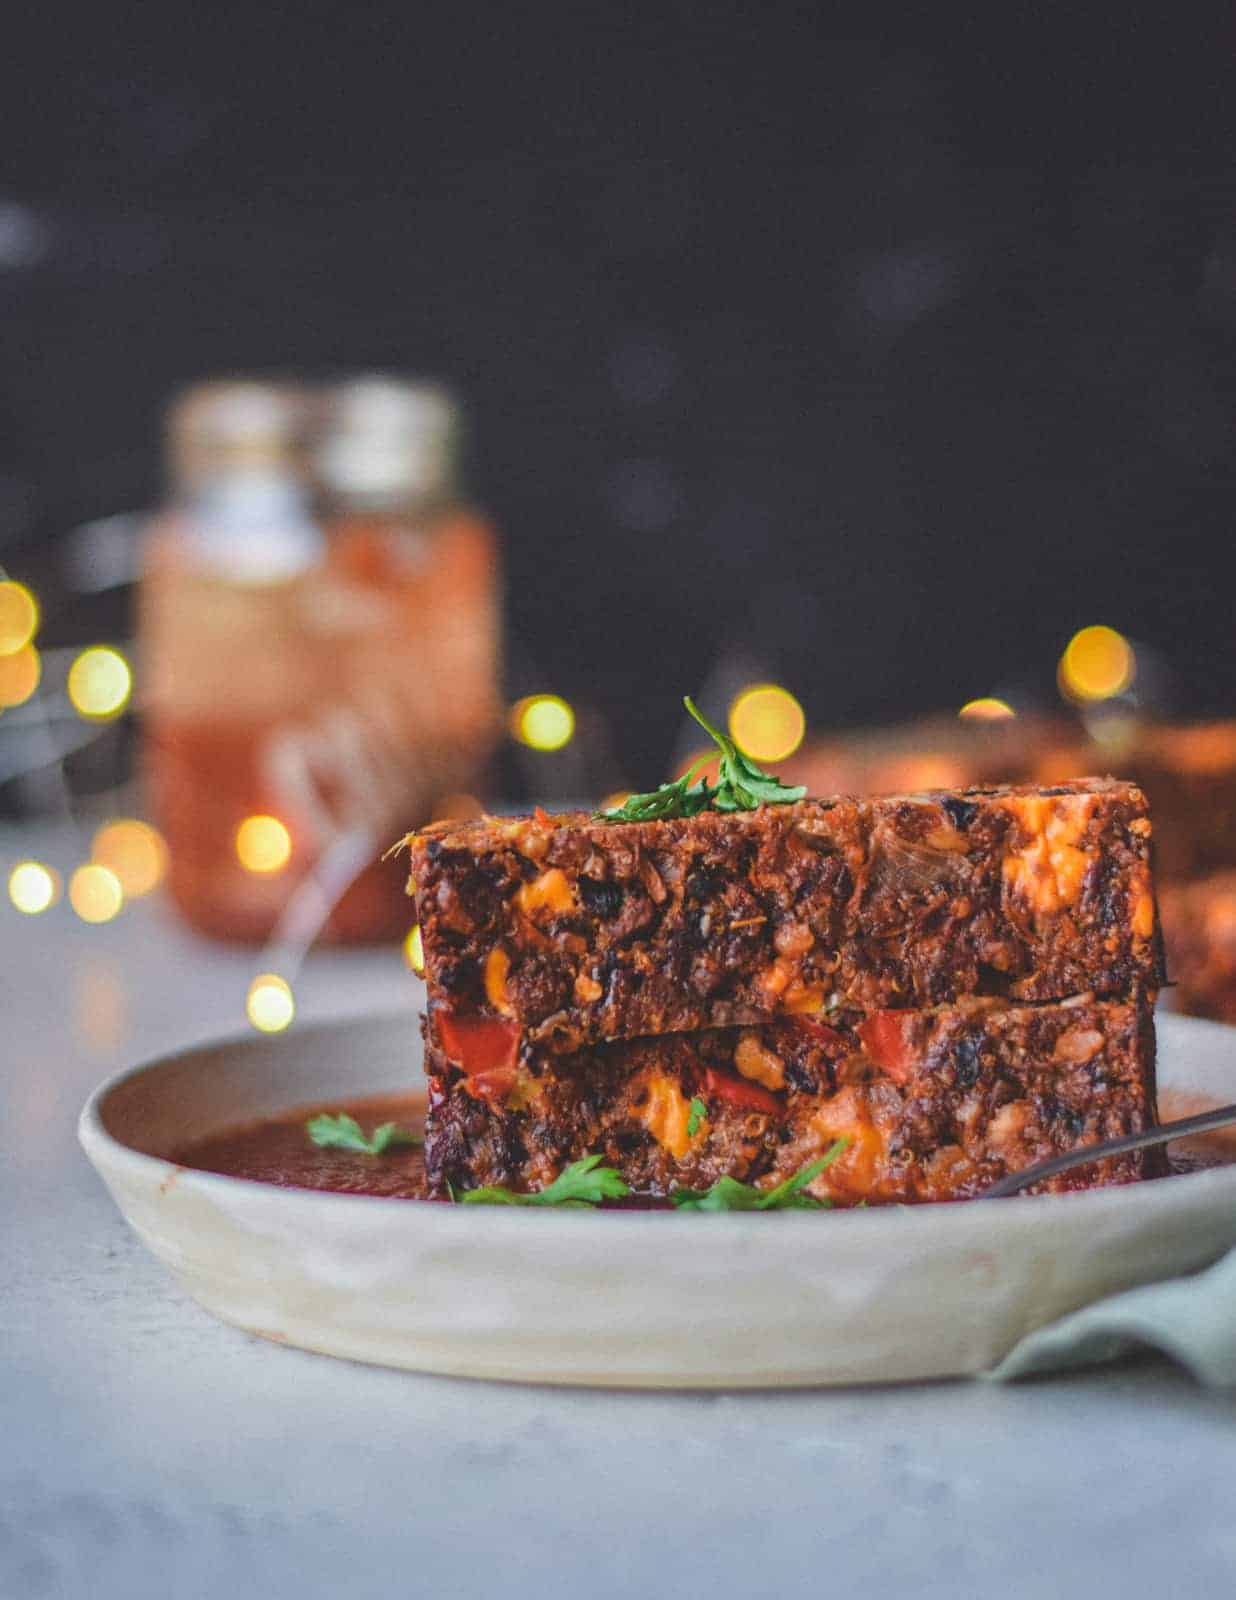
x=1193 y=1320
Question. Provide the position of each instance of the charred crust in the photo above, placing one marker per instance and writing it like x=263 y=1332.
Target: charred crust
x=601 y=897
x=459 y=976
x=704 y=883
x=961 y=813
x=967 y=1062
x=801 y=1078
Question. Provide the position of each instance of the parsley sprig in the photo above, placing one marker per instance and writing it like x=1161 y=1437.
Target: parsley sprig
x=587 y=1183
x=699 y=1113
x=728 y=1194
x=682 y=798
x=741 y=785
x=343 y=1132
x=583 y=1183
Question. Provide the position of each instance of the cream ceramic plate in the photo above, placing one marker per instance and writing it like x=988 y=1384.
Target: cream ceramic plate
x=644 y=1299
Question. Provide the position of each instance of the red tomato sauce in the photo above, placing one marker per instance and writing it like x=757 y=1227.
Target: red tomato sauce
x=279 y=1151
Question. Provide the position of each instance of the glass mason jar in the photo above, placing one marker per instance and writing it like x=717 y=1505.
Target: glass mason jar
x=319 y=675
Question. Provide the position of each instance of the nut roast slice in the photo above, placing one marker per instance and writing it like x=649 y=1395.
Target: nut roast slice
x=957 y=984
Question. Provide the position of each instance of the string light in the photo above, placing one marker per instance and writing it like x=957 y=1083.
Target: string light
x=414 y=951
x=33 y=887
x=20 y=672
x=95 y=893
x=263 y=844
x=987 y=709
x=270 y=1005
x=542 y=722
x=100 y=683
x=1098 y=663
x=767 y=722
x=19 y=617
x=135 y=852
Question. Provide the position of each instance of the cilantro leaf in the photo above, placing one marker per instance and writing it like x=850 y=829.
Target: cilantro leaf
x=698 y=1112
x=583 y=1183
x=728 y=1194
x=682 y=798
x=343 y=1132
x=741 y=785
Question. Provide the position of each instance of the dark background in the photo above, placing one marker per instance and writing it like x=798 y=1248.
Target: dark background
x=885 y=356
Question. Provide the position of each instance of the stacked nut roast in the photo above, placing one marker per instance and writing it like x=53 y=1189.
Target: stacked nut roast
x=956 y=984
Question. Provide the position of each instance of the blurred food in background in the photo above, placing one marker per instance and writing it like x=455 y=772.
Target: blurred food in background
x=1199 y=926
x=319 y=632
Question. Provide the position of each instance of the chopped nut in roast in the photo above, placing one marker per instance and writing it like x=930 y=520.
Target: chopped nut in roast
x=1078 y=1045
x=651 y=879
x=793 y=939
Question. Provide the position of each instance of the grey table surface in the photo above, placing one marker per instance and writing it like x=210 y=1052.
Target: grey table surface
x=146 y=1450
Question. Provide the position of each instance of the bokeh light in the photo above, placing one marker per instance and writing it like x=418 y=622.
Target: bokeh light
x=986 y=709
x=414 y=951
x=19 y=675
x=33 y=887
x=95 y=893
x=100 y=683
x=542 y=722
x=270 y=1006
x=1097 y=664
x=767 y=722
x=134 y=851
x=263 y=844
x=19 y=617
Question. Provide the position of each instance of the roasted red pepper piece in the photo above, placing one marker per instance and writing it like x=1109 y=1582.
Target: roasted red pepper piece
x=478 y=1044
x=493 y=1085
x=887 y=1038
x=740 y=1092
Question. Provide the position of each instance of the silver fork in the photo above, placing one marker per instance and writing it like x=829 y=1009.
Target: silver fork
x=1220 y=1117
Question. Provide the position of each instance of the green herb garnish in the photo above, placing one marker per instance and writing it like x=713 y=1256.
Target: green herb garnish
x=682 y=798
x=583 y=1183
x=698 y=1112
x=728 y=1194
x=344 y=1133
x=741 y=785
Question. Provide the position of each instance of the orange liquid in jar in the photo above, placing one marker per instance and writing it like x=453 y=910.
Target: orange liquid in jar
x=352 y=695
